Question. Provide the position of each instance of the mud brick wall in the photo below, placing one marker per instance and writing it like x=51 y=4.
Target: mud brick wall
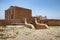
x=19 y=14
x=51 y=22
x=22 y=13
x=2 y=22
x=40 y=27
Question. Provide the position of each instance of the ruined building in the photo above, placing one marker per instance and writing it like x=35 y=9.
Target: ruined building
x=17 y=15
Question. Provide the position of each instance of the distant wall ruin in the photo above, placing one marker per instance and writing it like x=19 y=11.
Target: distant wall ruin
x=16 y=14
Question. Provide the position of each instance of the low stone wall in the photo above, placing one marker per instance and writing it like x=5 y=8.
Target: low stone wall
x=50 y=22
x=40 y=27
x=2 y=22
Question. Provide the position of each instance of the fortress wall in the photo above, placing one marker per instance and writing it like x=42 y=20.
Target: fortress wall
x=51 y=22
x=2 y=22
x=19 y=14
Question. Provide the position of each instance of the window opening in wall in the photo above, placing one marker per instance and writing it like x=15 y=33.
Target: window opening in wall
x=11 y=16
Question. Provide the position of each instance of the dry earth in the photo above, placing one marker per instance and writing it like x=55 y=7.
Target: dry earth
x=23 y=33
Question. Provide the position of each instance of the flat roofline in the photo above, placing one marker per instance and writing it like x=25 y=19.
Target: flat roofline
x=50 y=19
x=53 y=19
x=18 y=7
x=22 y=7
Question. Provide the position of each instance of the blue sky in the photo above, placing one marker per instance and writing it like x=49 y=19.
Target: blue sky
x=49 y=8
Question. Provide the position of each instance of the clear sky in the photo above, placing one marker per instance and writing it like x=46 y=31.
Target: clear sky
x=49 y=8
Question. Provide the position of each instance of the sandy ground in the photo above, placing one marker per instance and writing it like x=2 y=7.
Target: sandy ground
x=23 y=33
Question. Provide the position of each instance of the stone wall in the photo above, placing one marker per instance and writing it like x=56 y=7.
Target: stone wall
x=51 y=22
x=2 y=22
